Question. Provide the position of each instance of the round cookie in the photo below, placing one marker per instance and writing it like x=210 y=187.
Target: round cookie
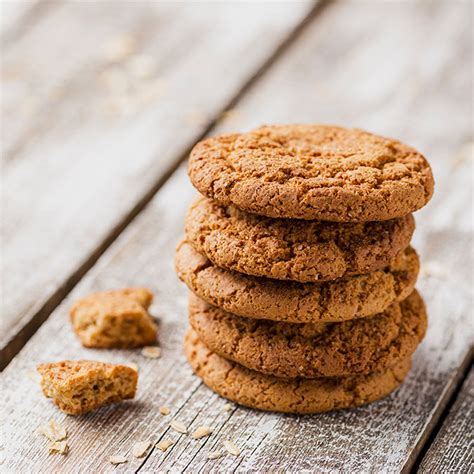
x=284 y=249
x=312 y=172
x=302 y=396
x=355 y=347
x=264 y=298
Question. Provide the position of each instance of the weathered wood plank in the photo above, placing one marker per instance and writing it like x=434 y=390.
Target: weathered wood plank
x=329 y=77
x=453 y=447
x=93 y=122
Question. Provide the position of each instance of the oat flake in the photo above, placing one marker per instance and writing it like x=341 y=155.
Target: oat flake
x=179 y=426
x=117 y=459
x=201 y=432
x=139 y=449
x=214 y=455
x=58 y=447
x=151 y=352
x=231 y=448
x=164 y=444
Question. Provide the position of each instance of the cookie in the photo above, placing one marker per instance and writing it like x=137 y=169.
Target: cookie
x=116 y=318
x=360 y=346
x=290 y=249
x=302 y=396
x=264 y=298
x=312 y=172
x=80 y=386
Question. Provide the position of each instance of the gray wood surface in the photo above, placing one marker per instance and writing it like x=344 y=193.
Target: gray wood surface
x=100 y=100
x=347 y=67
x=453 y=448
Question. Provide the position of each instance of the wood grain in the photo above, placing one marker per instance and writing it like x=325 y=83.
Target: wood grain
x=94 y=122
x=453 y=448
x=335 y=72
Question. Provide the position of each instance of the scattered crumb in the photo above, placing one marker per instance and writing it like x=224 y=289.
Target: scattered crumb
x=164 y=411
x=227 y=407
x=164 y=444
x=178 y=426
x=117 y=459
x=119 y=48
x=80 y=386
x=201 y=432
x=54 y=431
x=58 y=447
x=151 y=352
x=214 y=455
x=139 y=449
x=115 y=318
x=231 y=448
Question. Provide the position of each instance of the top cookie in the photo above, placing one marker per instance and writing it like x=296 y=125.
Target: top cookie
x=312 y=172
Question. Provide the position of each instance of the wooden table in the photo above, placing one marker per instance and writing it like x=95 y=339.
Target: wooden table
x=101 y=102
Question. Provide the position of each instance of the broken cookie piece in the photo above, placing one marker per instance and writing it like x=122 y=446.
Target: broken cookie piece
x=117 y=318
x=80 y=386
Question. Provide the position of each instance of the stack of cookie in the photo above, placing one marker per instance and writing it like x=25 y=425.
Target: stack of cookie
x=300 y=266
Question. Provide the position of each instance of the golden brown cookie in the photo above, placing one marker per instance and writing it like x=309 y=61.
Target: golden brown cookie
x=80 y=386
x=265 y=298
x=303 y=396
x=312 y=172
x=116 y=318
x=290 y=249
x=360 y=346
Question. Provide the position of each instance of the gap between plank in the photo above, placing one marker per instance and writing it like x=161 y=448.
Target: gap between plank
x=14 y=346
x=439 y=416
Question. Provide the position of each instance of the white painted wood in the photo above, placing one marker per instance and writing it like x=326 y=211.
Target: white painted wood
x=452 y=450
x=421 y=98
x=85 y=138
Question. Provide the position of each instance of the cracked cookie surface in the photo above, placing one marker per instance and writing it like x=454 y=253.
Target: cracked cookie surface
x=302 y=396
x=290 y=249
x=264 y=298
x=359 y=346
x=312 y=172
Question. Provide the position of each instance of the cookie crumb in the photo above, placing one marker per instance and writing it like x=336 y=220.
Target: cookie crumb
x=214 y=455
x=80 y=386
x=118 y=459
x=54 y=431
x=139 y=449
x=179 y=426
x=231 y=448
x=164 y=411
x=164 y=444
x=227 y=407
x=58 y=447
x=151 y=352
x=115 y=318
x=201 y=432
